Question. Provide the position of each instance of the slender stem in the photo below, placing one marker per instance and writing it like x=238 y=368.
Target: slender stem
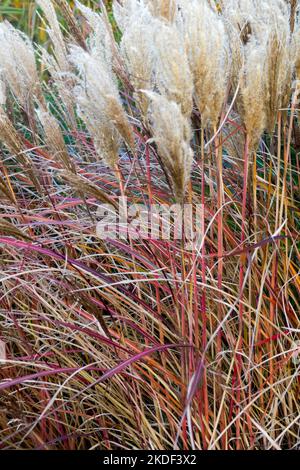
x=220 y=198
x=241 y=283
x=203 y=299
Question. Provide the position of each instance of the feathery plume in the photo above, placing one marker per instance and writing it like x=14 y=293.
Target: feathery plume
x=70 y=19
x=163 y=8
x=253 y=91
x=123 y=11
x=55 y=34
x=172 y=134
x=17 y=65
x=173 y=76
x=279 y=61
x=269 y=23
x=57 y=64
x=100 y=105
x=136 y=52
x=93 y=18
x=101 y=38
x=106 y=138
x=238 y=17
x=63 y=83
x=206 y=43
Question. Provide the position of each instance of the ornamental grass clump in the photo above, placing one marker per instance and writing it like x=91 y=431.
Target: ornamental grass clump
x=149 y=225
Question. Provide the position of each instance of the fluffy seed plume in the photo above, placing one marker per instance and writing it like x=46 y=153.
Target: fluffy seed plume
x=70 y=19
x=136 y=52
x=207 y=46
x=163 y=8
x=17 y=65
x=55 y=34
x=172 y=71
x=279 y=63
x=124 y=10
x=172 y=134
x=57 y=63
x=238 y=16
x=100 y=105
x=253 y=91
x=101 y=37
x=269 y=24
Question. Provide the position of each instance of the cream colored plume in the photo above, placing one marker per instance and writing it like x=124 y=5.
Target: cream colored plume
x=279 y=60
x=163 y=8
x=57 y=63
x=17 y=65
x=173 y=77
x=123 y=10
x=154 y=52
x=172 y=134
x=63 y=81
x=253 y=87
x=101 y=38
x=55 y=34
x=268 y=23
x=206 y=42
x=100 y=105
x=136 y=51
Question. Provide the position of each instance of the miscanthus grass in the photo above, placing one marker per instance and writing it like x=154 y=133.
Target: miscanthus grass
x=146 y=342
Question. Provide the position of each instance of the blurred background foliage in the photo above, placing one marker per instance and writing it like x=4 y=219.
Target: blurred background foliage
x=24 y=14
